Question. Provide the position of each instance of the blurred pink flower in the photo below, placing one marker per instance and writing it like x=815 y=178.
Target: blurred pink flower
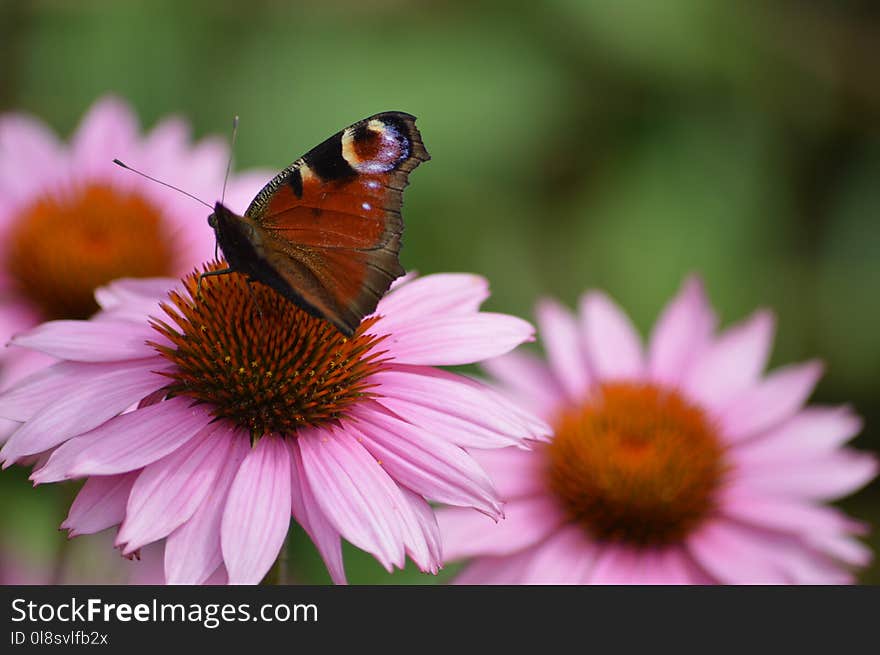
x=213 y=421
x=679 y=463
x=70 y=220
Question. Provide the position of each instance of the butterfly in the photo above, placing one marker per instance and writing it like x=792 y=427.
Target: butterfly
x=325 y=232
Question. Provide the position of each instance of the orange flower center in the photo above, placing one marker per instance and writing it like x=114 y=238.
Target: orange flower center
x=636 y=463
x=259 y=360
x=63 y=247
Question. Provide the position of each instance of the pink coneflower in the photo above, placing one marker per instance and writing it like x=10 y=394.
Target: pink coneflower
x=679 y=463
x=71 y=221
x=248 y=410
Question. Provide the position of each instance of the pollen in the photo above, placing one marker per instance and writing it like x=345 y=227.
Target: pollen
x=64 y=245
x=636 y=463
x=262 y=362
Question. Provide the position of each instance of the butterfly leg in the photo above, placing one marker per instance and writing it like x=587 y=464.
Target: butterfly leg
x=251 y=281
x=210 y=274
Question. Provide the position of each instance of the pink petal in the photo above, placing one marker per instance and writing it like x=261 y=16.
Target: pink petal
x=193 y=551
x=133 y=300
x=616 y=565
x=842 y=547
x=30 y=157
x=448 y=404
x=456 y=430
x=456 y=339
x=515 y=473
x=527 y=521
x=669 y=566
x=562 y=343
x=424 y=545
x=735 y=554
x=825 y=477
x=535 y=428
x=89 y=341
x=788 y=560
x=564 y=558
x=127 y=442
x=733 y=363
x=36 y=461
x=257 y=513
x=148 y=570
x=804 y=566
x=87 y=404
x=527 y=380
x=165 y=145
x=496 y=570
x=613 y=346
x=355 y=493
x=19 y=363
x=204 y=170
x=784 y=514
x=418 y=529
x=7 y=427
x=32 y=393
x=218 y=577
x=99 y=504
x=108 y=130
x=312 y=519
x=169 y=491
x=771 y=401
x=442 y=294
x=681 y=333
x=127 y=291
x=16 y=314
x=429 y=466
x=813 y=431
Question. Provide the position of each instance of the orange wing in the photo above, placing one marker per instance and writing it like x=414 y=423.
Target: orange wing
x=330 y=223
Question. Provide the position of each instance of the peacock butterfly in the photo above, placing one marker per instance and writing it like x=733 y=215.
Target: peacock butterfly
x=325 y=232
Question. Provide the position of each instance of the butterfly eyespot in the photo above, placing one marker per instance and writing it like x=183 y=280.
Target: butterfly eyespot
x=375 y=146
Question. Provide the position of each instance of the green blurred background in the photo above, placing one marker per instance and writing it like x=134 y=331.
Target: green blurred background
x=576 y=144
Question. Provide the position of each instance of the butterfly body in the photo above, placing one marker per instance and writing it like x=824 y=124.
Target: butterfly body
x=325 y=233
x=241 y=243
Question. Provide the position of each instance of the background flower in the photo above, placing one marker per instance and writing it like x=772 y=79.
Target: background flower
x=71 y=220
x=249 y=410
x=679 y=463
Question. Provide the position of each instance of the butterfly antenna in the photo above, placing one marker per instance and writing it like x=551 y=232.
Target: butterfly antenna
x=170 y=186
x=229 y=162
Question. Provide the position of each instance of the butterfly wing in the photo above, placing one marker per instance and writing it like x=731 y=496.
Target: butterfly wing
x=331 y=224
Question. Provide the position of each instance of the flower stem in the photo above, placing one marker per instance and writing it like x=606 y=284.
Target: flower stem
x=279 y=574
x=62 y=551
